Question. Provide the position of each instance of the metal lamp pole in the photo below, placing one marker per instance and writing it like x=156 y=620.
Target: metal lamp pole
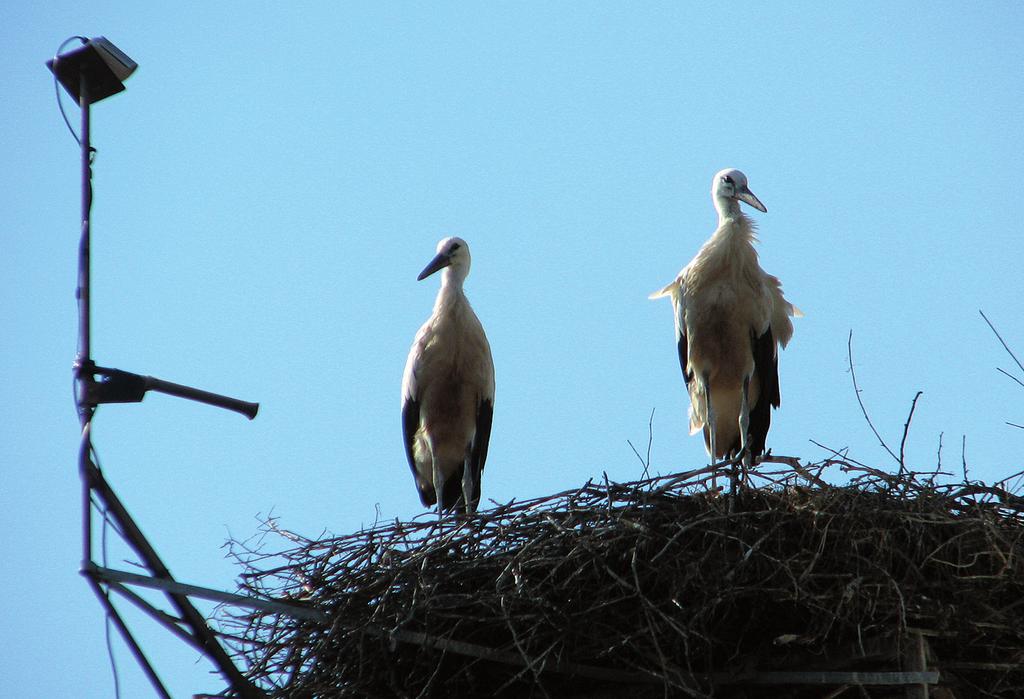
x=92 y=73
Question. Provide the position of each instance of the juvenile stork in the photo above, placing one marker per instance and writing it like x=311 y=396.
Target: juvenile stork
x=448 y=391
x=730 y=319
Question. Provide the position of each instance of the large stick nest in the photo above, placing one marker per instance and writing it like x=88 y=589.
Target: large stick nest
x=659 y=587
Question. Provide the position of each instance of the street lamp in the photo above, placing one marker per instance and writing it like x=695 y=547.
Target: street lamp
x=92 y=72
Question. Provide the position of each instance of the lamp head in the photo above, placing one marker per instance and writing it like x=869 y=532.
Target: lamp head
x=101 y=65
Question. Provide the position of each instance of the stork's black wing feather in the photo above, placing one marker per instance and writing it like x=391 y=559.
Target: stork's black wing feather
x=681 y=342
x=484 y=416
x=766 y=368
x=410 y=425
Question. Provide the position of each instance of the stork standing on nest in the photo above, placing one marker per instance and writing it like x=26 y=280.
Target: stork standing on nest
x=448 y=391
x=730 y=319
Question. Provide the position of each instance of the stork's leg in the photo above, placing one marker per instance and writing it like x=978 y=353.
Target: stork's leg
x=709 y=425
x=467 y=481
x=745 y=455
x=438 y=481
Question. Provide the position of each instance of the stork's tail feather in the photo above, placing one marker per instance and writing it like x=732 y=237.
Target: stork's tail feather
x=668 y=290
x=696 y=423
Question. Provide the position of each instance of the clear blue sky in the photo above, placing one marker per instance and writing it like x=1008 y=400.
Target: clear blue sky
x=276 y=175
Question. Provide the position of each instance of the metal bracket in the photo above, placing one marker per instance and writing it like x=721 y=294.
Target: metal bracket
x=103 y=385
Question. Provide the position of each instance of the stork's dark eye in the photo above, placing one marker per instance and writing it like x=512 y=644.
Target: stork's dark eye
x=455 y=246
x=727 y=179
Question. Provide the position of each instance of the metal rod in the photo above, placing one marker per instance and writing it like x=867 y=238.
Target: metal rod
x=85 y=337
x=168 y=621
x=86 y=468
x=191 y=616
x=83 y=470
x=266 y=605
x=176 y=389
x=133 y=645
x=118 y=386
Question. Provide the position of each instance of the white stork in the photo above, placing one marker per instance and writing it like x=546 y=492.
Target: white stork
x=448 y=391
x=730 y=318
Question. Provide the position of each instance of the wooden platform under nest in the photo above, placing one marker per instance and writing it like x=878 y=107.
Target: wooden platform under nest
x=890 y=585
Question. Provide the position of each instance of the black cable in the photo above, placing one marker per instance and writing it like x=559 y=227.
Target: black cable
x=56 y=83
x=110 y=644
x=104 y=512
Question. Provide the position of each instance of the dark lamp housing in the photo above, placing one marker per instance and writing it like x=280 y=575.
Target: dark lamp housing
x=103 y=66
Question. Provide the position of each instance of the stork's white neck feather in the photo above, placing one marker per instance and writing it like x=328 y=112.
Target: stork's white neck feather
x=735 y=226
x=727 y=208
x=451 y=291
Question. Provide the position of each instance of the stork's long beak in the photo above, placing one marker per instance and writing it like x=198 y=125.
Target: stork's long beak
x=440 y=261
x=748 y=196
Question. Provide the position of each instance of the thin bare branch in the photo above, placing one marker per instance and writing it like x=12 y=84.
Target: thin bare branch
x=1003 y=343
x=650 y=441
x=646 y=463
x=906 y=429
x=963 y=457
x=856 y=392
x=1006 y=373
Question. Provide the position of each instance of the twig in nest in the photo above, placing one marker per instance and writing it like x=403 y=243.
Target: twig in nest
x=646 y=463
x=856 y=392
x=906 y=429
x=794 y=463
x=963 y=457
